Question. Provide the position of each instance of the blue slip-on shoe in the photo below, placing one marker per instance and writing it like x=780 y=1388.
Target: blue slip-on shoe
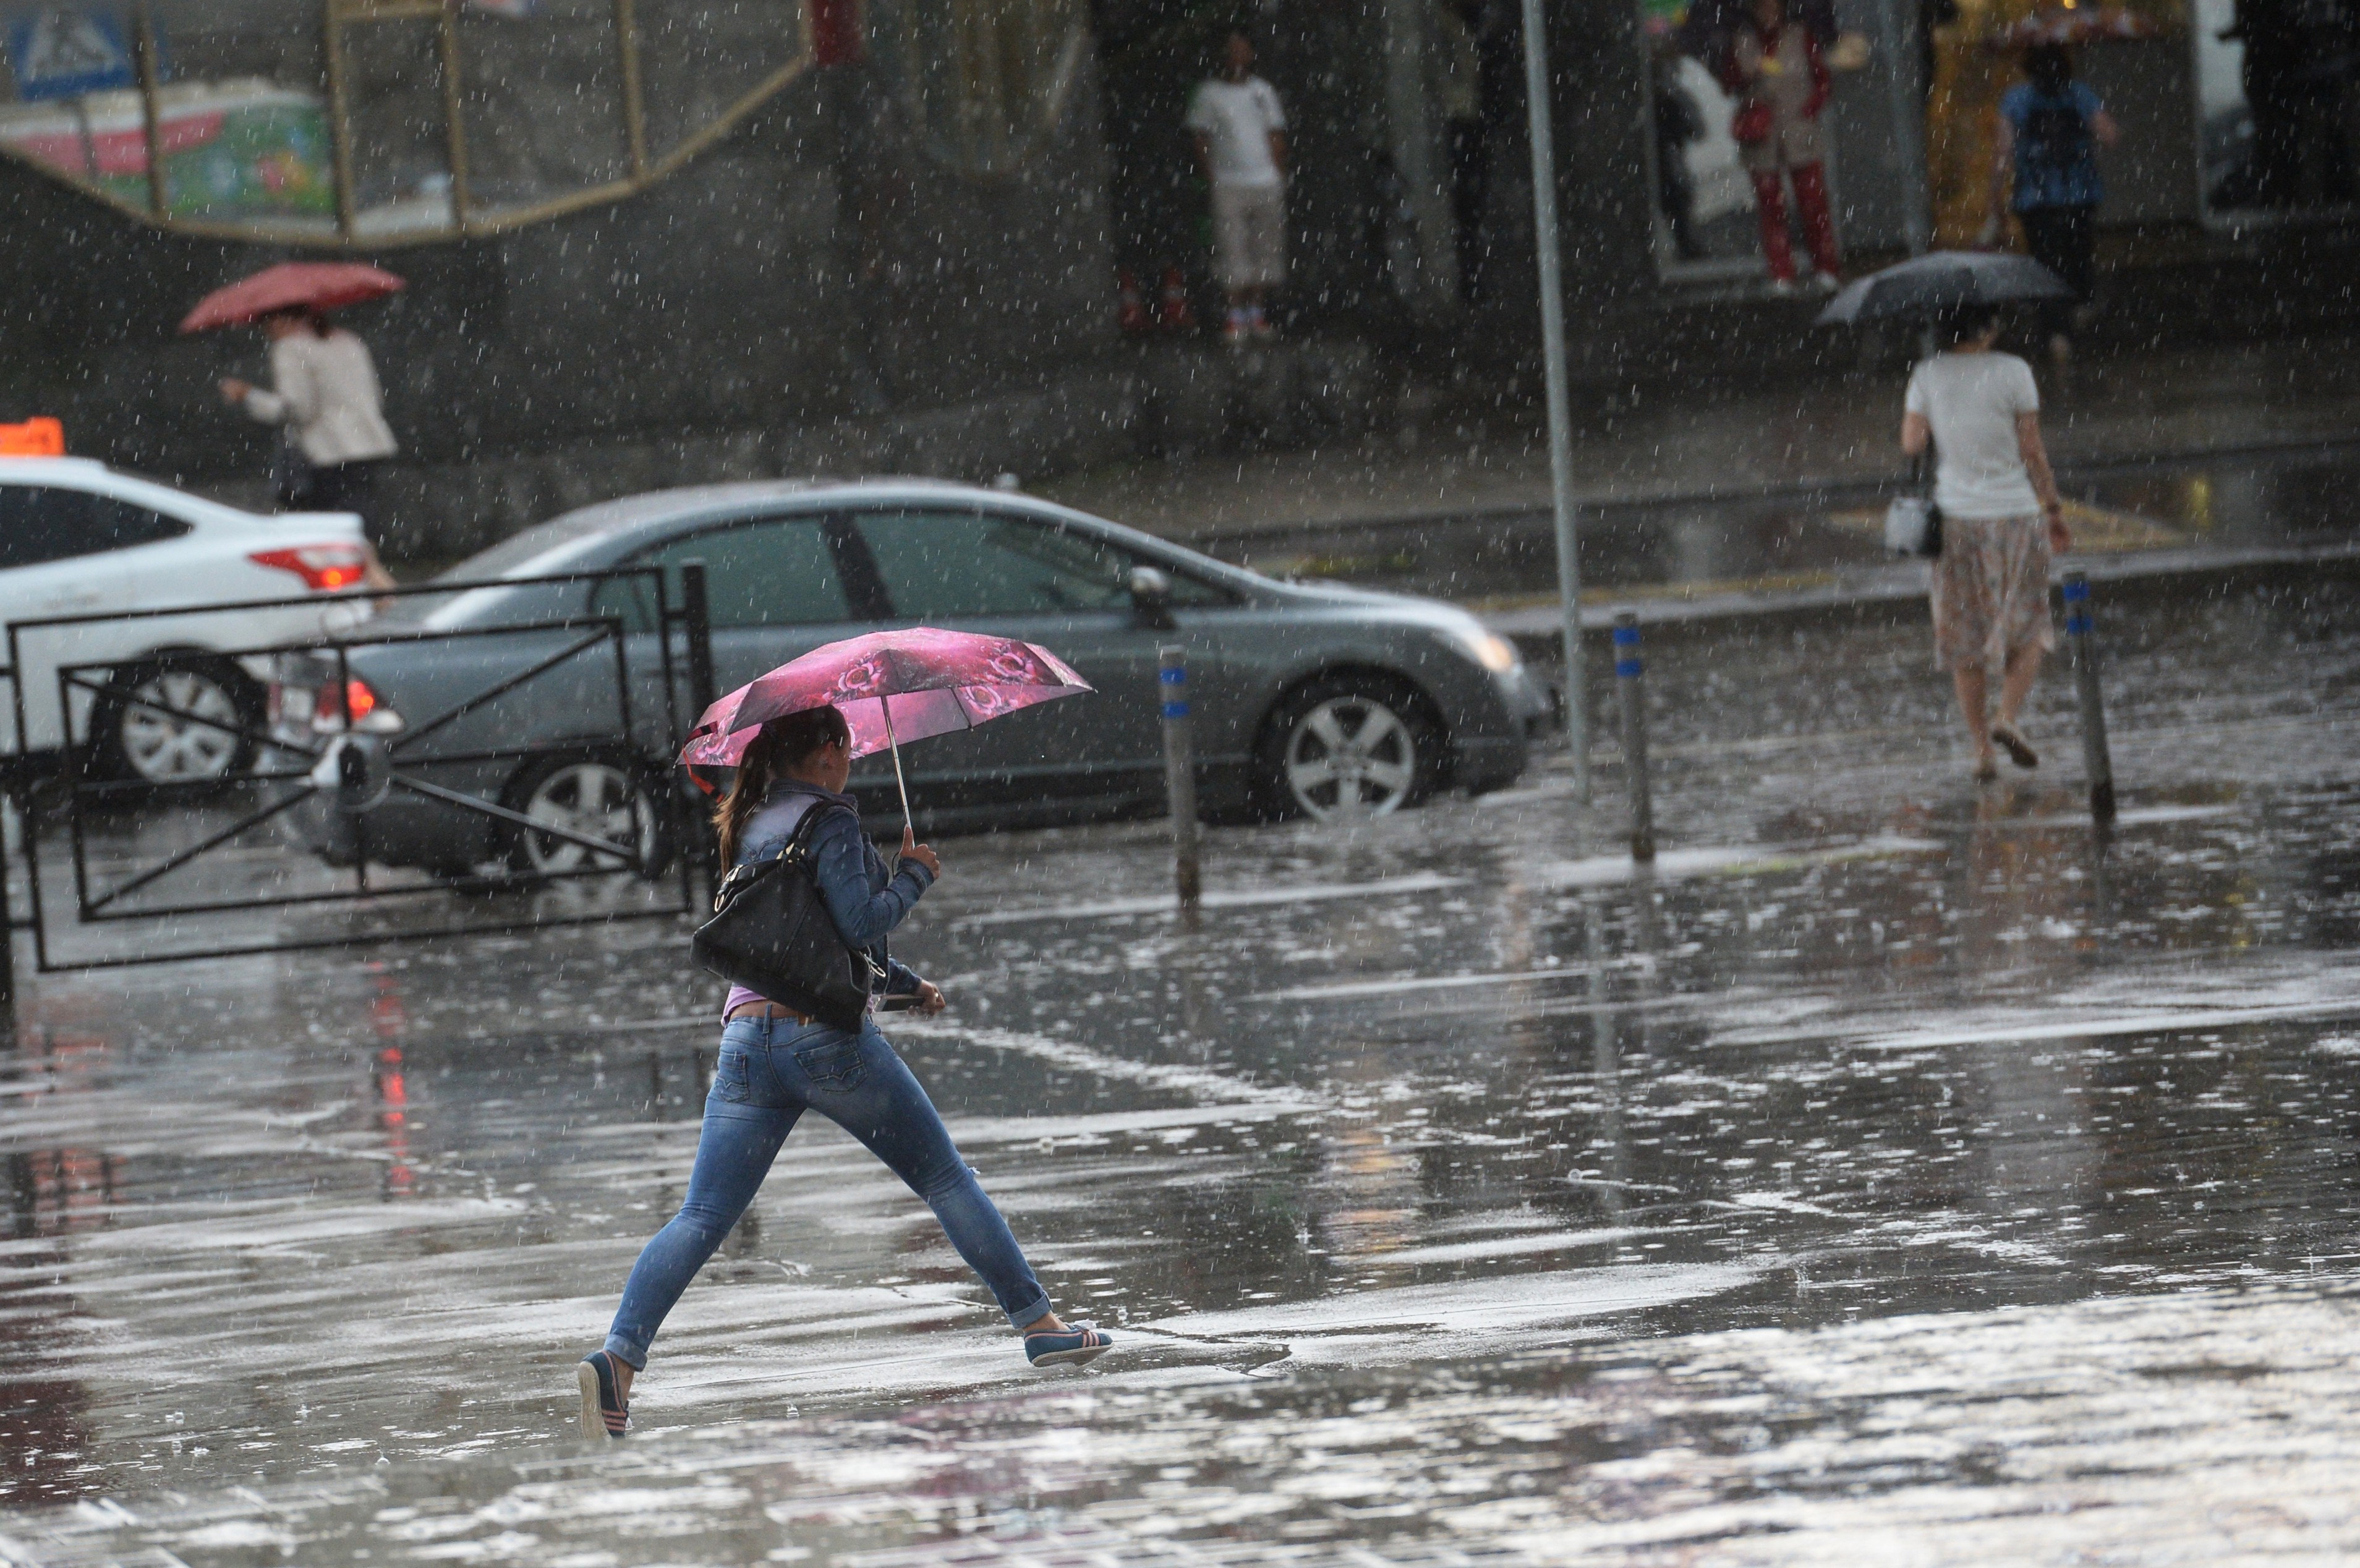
x=604 y=1414
x=1071 y=1347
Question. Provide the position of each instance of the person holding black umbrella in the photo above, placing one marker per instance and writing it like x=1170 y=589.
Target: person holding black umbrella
x=2002 y=516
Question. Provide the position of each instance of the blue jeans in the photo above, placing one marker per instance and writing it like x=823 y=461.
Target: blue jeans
x=771 y=1070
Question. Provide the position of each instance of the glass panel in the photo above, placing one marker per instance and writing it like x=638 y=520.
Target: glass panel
x=243 y=112
x=544 y=102
x=949 y=565
x=780 y=572
x=393 y=96
x=698 y=57
x=240 y=129
x=987 y=80
x=2279 y=92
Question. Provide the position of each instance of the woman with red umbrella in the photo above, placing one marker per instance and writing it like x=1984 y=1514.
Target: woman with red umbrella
x=324 y=391
x=776 y=1063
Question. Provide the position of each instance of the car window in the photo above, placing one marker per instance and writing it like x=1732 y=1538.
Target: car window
x=942 y=565
x=48 y=523
x=778 y=572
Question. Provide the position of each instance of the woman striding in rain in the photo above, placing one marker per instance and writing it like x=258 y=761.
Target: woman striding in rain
x=776 y=1064
x=2001 y=518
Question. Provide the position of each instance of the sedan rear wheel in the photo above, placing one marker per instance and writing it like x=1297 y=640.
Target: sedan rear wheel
x=1351 y=747
x=587 y=798
x=180 y=723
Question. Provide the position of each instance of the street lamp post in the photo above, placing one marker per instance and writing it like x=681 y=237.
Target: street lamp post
x=1560 y=412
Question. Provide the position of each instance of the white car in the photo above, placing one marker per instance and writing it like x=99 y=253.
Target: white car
x=77 y=537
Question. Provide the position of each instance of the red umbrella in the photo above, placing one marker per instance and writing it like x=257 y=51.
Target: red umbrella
x=291 y=285
x=917 y=682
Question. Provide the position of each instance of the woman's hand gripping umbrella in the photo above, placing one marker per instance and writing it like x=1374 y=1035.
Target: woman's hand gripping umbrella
x=892 y=686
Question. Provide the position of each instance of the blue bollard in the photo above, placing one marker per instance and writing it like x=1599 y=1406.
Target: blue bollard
x=1180 y=775
x=2082 y=635
x=1628 y=669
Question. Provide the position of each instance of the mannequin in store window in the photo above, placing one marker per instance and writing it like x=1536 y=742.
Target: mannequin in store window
x=1780 y=81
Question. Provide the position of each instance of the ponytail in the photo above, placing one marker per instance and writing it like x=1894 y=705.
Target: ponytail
x=782 y=744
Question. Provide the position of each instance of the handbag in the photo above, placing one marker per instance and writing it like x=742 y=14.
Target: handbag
x=772 y=933
x=1913 y=523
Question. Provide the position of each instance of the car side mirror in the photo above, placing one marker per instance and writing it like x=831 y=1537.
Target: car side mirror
x=1150 y=600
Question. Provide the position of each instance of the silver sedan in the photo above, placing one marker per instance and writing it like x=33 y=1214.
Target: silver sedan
x=1307 y=699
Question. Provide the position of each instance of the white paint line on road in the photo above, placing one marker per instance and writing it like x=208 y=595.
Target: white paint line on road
x=2140 y=817
x=2160 y=1021
x=1202 y=1083
x=1441 y=982
x=2054 y=1023
x=1473 y=1306
x=1169 y=903
x=1600 y=871
x=1507 y=1246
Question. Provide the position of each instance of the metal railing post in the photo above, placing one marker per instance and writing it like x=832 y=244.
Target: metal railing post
x=1180 y=773
x=697 y=620
x=22 y=804
x=2097 y=760
x=1628 y=669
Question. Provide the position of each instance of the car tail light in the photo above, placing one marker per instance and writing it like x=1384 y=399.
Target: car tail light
x=361 y=709
x=324 y=567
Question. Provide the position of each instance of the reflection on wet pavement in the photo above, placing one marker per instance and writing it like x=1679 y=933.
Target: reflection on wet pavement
x=1895 y=1162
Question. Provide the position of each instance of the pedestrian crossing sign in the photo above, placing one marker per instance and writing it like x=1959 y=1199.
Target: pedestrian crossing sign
x=58 y=53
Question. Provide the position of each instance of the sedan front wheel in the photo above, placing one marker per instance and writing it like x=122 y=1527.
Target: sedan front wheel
x=1350 y=747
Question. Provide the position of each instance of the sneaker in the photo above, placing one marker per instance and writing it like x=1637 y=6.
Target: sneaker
x=1826 y=282
x=2019 y=750
x=1076 y=1346
x=604 y=1414
x=1258 y=323
x=1784 y=288
x=1233 y=330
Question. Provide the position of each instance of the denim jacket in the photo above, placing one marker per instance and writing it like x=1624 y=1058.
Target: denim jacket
x=866 y=897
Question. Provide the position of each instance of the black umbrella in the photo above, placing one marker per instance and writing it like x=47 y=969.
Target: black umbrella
x=1942 y=280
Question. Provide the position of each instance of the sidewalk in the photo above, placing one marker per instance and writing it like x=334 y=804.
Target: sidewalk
x=1823 y=439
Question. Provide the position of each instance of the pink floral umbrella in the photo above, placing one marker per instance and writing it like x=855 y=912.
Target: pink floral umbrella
x=890 y=685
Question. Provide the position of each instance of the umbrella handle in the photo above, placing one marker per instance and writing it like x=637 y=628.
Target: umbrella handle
x=903 y=784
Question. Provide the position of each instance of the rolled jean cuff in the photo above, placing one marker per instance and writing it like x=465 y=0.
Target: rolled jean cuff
x=1025 y=1317
x=634 y=1356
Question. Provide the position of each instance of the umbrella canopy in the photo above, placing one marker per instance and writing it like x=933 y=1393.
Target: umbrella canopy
x=291 y=285
x=892 y=686
x=1940 y=280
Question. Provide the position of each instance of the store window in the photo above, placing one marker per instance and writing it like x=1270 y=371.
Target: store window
x=379 y=120
x=1744 y=99
x=2278 y=99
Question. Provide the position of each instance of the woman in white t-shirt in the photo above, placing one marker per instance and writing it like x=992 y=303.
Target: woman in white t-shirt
x=2001 y=518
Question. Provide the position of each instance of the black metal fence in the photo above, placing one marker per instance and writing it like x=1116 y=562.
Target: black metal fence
x=327 y=831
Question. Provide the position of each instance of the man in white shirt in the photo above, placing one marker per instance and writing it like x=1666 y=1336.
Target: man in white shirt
x=1240 y=137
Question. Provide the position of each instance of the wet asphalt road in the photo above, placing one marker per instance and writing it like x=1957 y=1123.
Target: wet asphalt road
x=1898 y=1174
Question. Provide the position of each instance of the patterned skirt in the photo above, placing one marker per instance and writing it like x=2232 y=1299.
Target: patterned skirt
x=1991 y=591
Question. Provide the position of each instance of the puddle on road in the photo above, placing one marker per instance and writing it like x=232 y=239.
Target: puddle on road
x=1488 y=1202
